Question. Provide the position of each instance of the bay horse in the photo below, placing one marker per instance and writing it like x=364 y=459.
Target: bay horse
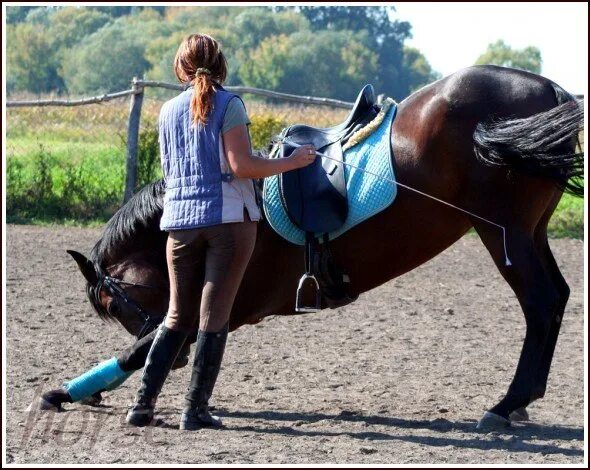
x=498 y=142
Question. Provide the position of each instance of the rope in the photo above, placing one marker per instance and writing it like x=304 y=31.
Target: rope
x=506 y=259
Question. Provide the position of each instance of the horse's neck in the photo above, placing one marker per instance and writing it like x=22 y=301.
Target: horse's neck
x=148 y=259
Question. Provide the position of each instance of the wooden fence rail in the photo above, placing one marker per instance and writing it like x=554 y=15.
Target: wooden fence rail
x=81 y=102
x=260 y=92
x=140 y=84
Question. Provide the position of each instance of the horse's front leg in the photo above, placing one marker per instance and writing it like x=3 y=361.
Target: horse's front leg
x=86 y=388
x=106 y=376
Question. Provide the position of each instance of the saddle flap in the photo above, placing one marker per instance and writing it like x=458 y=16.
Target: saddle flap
x=315 y=197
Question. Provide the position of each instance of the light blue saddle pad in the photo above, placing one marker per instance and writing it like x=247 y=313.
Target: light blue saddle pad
x=367 y=194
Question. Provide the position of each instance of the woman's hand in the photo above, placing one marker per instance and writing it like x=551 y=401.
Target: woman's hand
x=303 y=156
x=245 y=165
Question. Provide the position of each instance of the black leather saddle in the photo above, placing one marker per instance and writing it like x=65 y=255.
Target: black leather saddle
x=315 y=197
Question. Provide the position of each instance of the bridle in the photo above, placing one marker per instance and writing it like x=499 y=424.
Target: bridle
x=112 y=286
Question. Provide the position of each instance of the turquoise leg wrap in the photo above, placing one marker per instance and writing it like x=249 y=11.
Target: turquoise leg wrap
x=105 y=376
x=118 y=382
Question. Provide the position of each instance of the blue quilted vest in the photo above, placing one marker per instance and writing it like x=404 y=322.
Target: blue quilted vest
x=191 y=163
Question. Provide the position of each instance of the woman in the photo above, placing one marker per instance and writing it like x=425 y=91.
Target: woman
x=210 y=213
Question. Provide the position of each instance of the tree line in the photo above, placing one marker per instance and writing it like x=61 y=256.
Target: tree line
x=321 y=51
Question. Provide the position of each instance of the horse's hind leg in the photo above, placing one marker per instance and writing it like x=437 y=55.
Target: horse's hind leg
x=564 y=292
x=547 y=258
x=539 y=298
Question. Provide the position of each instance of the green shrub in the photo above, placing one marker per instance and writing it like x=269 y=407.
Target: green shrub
x=45 y=187
x=75 y=182
x=263 y=129
x=568 y=218
x=42 y=180
x=15 y=182
x=148 y=157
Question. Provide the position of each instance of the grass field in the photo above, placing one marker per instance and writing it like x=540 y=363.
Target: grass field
x=67 y=165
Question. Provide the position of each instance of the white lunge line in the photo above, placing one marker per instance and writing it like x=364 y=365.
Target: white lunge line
x=323 y=155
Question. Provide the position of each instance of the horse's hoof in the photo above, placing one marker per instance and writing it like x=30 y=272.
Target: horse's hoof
x=492 y=422
x=521 y=414
x=41 y=404
x=92 y=400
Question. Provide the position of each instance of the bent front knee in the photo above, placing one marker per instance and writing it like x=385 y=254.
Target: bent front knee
x=180 y=323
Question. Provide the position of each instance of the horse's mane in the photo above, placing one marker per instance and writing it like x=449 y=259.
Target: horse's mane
x=132 y=227
x=139 y=217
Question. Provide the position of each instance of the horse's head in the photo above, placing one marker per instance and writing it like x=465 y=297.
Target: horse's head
x=132 y=292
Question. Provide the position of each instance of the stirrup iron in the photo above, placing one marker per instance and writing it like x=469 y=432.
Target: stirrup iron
x=308 y=282
x=308 y=290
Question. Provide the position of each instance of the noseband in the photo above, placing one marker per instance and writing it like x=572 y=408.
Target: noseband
x=113 y=287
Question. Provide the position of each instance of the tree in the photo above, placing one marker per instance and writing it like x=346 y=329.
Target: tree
x=160 y=54
x=161 y=51
x=268 y=64
x=375 y=20
x=416 y=72
x=41 y=15
x=16 y=14
x=216 y=21
x=255 y=24
x=193 y=18
x=252 y=26
x=120 y=11
x=324 y=63
x=68 y=27
x=499 y=53
x=385 y=38
x=106 y=61
x=31 y=60
x=71 y=25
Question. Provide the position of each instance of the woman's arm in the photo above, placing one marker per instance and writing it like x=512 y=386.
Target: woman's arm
x=245 y=165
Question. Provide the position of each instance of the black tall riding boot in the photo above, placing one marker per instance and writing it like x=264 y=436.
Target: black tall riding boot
x=165 y=348
x=208 y=356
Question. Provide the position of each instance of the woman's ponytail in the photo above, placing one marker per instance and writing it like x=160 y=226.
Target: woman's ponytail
x=202 y=101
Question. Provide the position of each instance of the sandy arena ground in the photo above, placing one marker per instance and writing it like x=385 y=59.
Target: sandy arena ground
x=401 y=376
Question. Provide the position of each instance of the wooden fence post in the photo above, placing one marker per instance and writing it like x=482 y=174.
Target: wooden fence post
x=133 y=138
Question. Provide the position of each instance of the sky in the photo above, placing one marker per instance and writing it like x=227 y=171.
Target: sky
x=454 y=35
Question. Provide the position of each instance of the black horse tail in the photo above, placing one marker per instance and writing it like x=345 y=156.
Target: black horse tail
x=545 y=145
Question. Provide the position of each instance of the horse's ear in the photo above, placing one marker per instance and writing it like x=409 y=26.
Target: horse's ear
x=85 y=266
